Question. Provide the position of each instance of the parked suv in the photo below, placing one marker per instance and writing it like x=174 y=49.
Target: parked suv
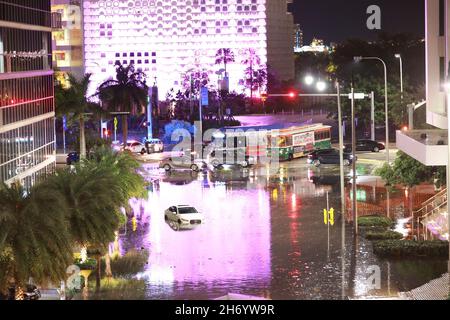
x=328 y=156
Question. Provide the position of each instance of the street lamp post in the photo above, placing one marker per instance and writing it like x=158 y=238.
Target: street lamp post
x=321 y=86
x=399 y=57
x=386 y=103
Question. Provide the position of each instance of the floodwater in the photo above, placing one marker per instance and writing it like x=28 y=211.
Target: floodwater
x=263 y=235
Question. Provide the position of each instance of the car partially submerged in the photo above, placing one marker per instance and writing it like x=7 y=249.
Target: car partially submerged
x=184 y=215
x=182 y=163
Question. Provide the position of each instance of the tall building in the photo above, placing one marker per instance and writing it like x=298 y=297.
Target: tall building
x=68 y=40
x=167 y=38
x=27 y=129
x=298 y=38
x=430 y=146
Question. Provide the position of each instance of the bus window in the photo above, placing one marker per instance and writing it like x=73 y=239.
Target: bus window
x=282 y=141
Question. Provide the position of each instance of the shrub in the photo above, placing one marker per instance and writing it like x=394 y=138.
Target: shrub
x=408 y=248
x=128 y=265
x=120 y=289
x=89 y=264
x=375 y=221
x=384 y=235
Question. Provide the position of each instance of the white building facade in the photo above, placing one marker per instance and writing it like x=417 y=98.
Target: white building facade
x=168 y=39
x=430 y=146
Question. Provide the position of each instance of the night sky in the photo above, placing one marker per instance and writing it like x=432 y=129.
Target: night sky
x=337 y=20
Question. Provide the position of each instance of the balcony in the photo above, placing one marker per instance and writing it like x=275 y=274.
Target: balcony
x=430 y=147
x=14 y=13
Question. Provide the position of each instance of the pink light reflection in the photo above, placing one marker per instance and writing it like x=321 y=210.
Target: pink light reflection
x=234 y=242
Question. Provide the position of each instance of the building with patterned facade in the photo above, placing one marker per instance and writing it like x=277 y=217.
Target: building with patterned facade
x=167 y=38
x=68 y=40
x=27 y=130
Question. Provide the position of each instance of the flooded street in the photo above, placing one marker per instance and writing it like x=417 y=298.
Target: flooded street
x=263 y=235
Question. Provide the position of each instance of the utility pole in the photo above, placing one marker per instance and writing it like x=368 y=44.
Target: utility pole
x=354 y=203
x=372 y=116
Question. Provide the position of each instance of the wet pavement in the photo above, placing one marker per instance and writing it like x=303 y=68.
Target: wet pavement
x=263 y=235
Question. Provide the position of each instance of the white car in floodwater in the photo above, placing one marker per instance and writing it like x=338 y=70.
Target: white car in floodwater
x=183 y=215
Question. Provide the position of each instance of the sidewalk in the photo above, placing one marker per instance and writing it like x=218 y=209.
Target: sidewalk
x=437 y=289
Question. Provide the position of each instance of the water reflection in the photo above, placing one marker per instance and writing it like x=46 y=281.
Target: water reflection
x=263 y=235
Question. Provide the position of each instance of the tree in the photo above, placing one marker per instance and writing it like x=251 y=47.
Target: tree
x=406 y=171
x=253 y=61
x=127 y=93
x=225 y=56
x=73 y=102
x=34 y=238
x=255 y=79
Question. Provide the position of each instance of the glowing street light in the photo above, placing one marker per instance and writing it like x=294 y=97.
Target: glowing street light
x=321 y=86
x=309 y=80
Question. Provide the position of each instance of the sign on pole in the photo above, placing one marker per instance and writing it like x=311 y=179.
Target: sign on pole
x=204 y=96
x=328 y=216
x=358 y=96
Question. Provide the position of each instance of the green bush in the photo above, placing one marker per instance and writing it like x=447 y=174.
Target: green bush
x=89 y=264
x=409 y=248
x=384 y=235
x=120 y=289
x=128 y=265
x=375 y=221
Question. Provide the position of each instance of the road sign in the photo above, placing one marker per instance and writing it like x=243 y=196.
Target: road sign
x=204 y=96
x=328 y=216
x=358 y=96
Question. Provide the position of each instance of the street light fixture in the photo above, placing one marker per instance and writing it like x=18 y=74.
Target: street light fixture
x=309 y=80
x=321 y=86
x=386 y=104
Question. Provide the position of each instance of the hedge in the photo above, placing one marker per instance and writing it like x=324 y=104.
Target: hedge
x=384 y=235
x=375 y=221
x=409 y=248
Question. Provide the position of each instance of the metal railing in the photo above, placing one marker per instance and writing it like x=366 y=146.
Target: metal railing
x=13 y=12
x=432 y=206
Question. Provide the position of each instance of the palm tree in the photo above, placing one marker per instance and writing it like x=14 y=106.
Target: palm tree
x=127 y=93
x=34 y=237
x=225 y=56
x=91 y=196
x=252 y=60
x=73 y=101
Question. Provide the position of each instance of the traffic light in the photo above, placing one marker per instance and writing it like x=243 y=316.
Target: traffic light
x=292 y=94
x=105 y=133
x=264 y=97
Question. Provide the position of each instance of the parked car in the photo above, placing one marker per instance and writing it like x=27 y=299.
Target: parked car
x=182 y=163
x=72 y=158
x=154 y=145
x=183 y=215
x=328 y=156
x=366 y=145
x=225 y=158
x=135 y=147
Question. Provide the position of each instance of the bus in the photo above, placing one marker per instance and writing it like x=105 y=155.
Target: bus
x=287 y=144
x=297 y=142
